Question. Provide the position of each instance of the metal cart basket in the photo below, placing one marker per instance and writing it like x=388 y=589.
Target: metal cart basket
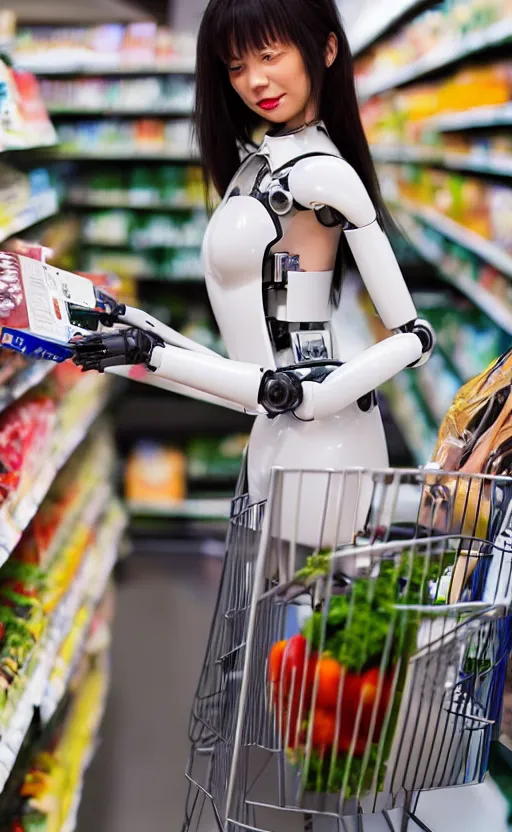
x=345 y=675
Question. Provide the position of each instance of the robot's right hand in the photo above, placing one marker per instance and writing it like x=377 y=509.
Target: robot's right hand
x=127 y=346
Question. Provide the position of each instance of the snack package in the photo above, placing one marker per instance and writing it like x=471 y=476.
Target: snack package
x=26 y=431
x=476 y=433
x=43 y=307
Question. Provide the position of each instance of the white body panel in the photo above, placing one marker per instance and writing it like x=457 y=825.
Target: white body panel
x=329 y=429
x=350 y=438
x=233 y=252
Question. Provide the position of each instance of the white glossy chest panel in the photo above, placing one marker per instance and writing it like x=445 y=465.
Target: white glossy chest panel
x=235 y=246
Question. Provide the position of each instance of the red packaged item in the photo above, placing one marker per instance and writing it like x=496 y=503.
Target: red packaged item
x=25 y=435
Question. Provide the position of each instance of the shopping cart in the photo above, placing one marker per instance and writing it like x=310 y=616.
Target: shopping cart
x=343 y=679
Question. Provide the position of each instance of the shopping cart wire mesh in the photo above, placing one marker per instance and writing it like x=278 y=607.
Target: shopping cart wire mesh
x=358 y=650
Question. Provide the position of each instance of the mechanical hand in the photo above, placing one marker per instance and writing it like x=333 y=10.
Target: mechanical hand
x=127 y=346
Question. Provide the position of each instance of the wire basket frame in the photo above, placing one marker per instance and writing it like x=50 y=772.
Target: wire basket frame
x=343 y=679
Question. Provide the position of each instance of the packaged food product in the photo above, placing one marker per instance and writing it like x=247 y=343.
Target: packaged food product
x=155 y=475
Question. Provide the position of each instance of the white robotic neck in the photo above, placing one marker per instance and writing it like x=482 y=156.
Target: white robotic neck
x=283 y=148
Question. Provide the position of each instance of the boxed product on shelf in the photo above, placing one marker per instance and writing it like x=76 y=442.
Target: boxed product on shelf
x=109 y=46
x=477 y=204
x=211 y=458
x=171 y=264
x=127 y=136
x=25 y=198
x=434 y=29
x=125 y=228
x=24 y=121
x=153 y=94
x=155 y=475
x=404 y=115
x=164 y=185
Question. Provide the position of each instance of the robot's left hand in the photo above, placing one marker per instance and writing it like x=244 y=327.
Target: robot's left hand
x=128 y=346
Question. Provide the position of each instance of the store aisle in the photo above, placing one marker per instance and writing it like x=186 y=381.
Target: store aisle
x=136 y=781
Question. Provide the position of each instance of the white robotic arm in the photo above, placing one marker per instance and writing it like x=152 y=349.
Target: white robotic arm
x=327 y=180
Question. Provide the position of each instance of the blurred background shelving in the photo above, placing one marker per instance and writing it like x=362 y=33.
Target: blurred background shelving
x=436 y=93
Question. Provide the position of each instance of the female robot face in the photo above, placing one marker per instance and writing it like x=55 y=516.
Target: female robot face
x=274 y=83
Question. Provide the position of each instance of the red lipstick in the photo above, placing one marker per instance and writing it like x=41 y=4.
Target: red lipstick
x=269 y=103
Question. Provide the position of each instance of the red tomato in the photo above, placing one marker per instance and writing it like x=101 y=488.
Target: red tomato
x=275 y=661
x=295 y=672
x=369 y=691
x=324 y=729
x=2 y=630
x=329 y=678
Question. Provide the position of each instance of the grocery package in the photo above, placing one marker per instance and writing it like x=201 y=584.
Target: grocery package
x=162 y=186
x=26 y=432
x=407 y=115
x=42 y=307
x=479 y=205
x=476 y=434
x=173 y=94
x=127 y=137
x=105 y=47
x=433 y=31
x=50 y=791
x=126 y=228
x=24 y=121
x=211 y=458
x=155 y=476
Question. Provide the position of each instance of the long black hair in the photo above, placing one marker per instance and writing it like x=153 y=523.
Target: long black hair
x=223 y=122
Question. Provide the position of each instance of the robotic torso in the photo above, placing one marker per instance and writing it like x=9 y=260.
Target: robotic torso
x=269 y=308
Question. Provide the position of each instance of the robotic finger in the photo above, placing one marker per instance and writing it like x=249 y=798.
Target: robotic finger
x=128 y=346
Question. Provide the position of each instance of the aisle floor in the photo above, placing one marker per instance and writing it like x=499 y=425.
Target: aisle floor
x=136 y=782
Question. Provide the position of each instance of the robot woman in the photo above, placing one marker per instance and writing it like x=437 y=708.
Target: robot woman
x=295 y=212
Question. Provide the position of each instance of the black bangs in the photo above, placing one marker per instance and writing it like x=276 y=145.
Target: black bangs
x=250 y=25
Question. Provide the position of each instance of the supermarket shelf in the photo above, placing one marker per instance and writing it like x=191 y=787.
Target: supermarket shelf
x=444 y=55
x=495 y=309
x=177 y=68
x=127 y=245
x=497 y=165
x=58 y=629
x=485 y=249
x=404 y=408
x=137 y=154
x=70 y=822
x=15 y=515
x=38 y=209
x=104 y=204
x=194 y=280
x=214 y=508
x=24 y=147
x=24 y=381
x=384 y=17
x=106 y=110
x=500 y=115
x=93 y=592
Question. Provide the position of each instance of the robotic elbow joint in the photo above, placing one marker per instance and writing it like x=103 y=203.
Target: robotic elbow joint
x=425 y=332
